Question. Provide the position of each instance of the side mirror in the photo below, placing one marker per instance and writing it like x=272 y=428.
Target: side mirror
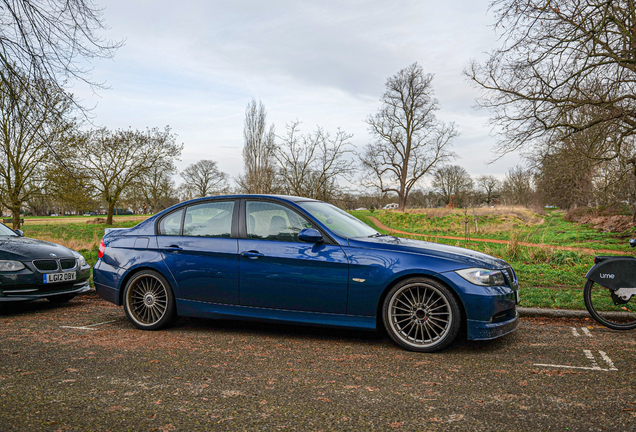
x=310 y=235
x=19 y=233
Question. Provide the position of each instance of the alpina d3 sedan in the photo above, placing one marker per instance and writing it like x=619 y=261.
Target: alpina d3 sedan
x=32 y=269
x=297 y=260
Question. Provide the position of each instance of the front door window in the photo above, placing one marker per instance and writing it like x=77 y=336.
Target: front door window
x=269 y=221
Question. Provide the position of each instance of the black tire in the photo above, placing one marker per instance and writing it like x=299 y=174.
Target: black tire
x=424 y=307
x=149 y=301
x=62 y=298
x=599 y=303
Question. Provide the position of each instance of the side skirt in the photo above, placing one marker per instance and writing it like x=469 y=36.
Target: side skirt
x=198 y=309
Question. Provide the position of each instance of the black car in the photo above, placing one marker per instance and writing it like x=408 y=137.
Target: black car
x=32 y=269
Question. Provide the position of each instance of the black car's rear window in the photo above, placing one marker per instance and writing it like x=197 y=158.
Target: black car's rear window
x=6 y=231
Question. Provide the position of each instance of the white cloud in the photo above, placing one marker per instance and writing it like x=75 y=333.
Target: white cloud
x=195 y=65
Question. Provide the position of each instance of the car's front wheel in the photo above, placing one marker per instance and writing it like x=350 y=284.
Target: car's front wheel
x=148 y=301
x=421 y=314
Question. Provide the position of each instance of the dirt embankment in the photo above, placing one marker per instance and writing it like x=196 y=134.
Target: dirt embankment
x=601 y=220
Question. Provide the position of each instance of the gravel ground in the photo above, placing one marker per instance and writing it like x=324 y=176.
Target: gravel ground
x=224 y=375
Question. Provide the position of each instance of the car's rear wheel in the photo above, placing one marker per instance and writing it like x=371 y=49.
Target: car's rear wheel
x=421 y=314
x=62 y=298
x=149 y=301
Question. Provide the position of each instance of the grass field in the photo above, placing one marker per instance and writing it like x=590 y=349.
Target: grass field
x=548 y=277
x=503 y=223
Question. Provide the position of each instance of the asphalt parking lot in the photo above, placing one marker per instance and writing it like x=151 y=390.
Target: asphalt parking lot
x=83 y=366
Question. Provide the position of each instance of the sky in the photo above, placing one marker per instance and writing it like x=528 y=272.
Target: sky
x=196 y=65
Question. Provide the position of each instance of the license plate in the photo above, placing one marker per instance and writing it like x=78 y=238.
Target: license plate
x=59 y=277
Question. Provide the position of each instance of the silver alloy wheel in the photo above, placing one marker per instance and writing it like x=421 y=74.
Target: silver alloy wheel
x=147 y=299
x=420 y=315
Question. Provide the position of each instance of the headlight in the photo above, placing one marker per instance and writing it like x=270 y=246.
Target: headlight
x=10 y=265
x=483 y=277
x=82 y=260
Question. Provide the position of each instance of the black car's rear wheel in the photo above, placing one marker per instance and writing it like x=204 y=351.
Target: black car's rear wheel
x=421 y=314
x=148 y=301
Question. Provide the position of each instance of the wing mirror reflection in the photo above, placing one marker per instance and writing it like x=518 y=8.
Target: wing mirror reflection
x=310 y=235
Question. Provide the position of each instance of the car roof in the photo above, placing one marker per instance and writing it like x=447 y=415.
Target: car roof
x=281 y=197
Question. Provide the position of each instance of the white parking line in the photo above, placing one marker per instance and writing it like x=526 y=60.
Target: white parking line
x=88 y=327
x=592 y=360
x=574 y=332
x=608 y=360
x=586 y=331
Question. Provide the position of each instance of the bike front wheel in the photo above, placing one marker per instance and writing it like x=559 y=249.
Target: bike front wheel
x=609 y=309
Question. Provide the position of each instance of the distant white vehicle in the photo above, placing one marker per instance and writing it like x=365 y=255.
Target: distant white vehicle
x=361 y=208
x=391 y=206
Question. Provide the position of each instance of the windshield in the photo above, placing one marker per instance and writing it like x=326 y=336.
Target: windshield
x=338 y=221
x=6 y=231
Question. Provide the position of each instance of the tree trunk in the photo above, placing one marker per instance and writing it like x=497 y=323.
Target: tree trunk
x=15 y=210
x=111 y=208
x=402 y=202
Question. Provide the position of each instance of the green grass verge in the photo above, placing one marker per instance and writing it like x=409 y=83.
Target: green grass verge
x=548 y=278
x=554 y=230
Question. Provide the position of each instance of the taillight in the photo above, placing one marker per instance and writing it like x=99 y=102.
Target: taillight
x=102 y=248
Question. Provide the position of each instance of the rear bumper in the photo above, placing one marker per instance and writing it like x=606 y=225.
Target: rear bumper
x=106 y=279
x=108 y=293
x=30 y=294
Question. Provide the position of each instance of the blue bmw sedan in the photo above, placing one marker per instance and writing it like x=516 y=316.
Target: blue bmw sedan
x=297 y=260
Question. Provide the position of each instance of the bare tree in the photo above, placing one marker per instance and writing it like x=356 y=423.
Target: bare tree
x=155 y=189
x=66 y=188
x=410 y=141
x=258 y=152
x=115 y=160
x=34 y=116
x=452 y=183
x=517 y=188
x=310 y=165
x=204 y=178
x=51 y=41
x=489 y=186
x=564 y=67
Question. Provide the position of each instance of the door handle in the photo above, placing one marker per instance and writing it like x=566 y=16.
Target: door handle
x=252 y=254
x=173 y=248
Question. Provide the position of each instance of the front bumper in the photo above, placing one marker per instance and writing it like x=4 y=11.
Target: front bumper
x=491 y=312
x=481 y=330
x=27 y=284
x=30 y=294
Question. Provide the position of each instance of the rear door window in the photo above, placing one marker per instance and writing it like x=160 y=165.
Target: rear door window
x=171 y=224
x=211 y=219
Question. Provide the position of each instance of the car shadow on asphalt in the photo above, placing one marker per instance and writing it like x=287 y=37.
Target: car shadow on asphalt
x=276 y=329
x=10 y=309
x=304 y=332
